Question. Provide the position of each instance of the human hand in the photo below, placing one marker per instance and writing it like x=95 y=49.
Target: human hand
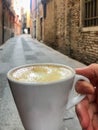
x=87 y=109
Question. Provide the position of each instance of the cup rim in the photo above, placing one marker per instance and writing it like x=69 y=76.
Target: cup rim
x=41 y=83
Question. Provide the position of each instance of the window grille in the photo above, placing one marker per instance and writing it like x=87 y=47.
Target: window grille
x=90 y=13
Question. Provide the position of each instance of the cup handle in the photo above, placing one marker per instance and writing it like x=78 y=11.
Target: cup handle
x=74 y=97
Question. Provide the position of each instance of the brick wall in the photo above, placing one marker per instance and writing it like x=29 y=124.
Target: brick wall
x=83 y=44
x=62 y=30
x=70 y=39
x=87 y=48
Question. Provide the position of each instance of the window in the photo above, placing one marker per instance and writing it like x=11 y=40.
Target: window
x=90 y=13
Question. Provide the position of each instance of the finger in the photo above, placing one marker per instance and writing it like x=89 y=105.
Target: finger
x=82 y=111
x=95 y=121
x=84 y=87
x=86 y=71
x=92 y=110
x=91 y=98
x=90 y=72
x=97 y=95
x=90 y=127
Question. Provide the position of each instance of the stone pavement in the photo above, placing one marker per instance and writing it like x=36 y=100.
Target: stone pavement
x=25 y=50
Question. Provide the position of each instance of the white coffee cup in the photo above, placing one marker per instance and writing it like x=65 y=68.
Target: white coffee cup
x=41 y=104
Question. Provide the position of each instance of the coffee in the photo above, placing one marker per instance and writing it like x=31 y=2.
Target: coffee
x=40 y=73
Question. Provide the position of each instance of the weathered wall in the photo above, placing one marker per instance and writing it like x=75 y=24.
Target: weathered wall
x=87 y=48
x=60 y=20
x=83 y=44
x=0 y=22
x=49 y=24
x=38 y=27
x=70 y=38
x=62 y=30
x=7 y=29
x=6 y=22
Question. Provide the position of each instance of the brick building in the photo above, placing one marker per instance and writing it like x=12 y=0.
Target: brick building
x=6 y=20
x=70 y=26
x=9 y=21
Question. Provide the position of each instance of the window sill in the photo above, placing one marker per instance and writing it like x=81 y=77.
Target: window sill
x=88 y=29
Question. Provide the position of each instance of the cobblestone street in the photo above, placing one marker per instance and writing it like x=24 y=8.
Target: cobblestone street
x=25 y=50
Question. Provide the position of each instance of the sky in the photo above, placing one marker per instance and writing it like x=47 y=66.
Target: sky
x=21 y=3
x=25 y=4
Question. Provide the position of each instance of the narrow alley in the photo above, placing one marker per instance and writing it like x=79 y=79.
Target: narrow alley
x=25 y=50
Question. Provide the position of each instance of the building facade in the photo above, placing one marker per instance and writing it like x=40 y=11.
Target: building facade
x=17 y=17
x=0 y=22
x=70 y=26
x=6 y=20
x=9 y=23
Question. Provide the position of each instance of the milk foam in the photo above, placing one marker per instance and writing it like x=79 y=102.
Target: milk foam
x=42 y=73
